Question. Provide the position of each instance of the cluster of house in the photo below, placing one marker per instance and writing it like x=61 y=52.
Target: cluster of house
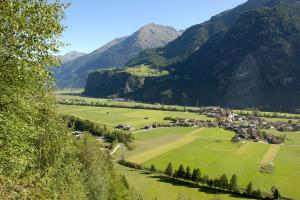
x=245 y=127
x=125 y=127
x=255 y=135
x=72 y=101
x=121 y=100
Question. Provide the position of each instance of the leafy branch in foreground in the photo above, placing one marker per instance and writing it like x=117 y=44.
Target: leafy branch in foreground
x=38 y=158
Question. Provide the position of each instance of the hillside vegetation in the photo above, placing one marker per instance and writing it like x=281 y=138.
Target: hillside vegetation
x=252 y=62
x=39 y=158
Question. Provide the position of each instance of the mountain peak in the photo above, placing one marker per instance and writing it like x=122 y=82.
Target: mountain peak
x=72 y=55
x=153 y=26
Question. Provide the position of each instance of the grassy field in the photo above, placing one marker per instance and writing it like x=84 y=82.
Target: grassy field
x=156 y=187
x=208 y=149
x=115 y=116
x=75 y=94
x=145 y=71
x=214 y=154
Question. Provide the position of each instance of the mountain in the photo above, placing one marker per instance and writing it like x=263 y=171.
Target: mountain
x=194 y=37
x=72 y=56
x=253 y=63
x=116 y=53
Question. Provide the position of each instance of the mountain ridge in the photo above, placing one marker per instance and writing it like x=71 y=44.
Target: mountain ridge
x=115 y=53
x=253 y=63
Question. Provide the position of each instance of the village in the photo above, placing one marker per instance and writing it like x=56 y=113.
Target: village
x=246 y=128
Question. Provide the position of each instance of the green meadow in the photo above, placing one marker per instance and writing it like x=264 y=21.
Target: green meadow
x=208 y=149
x=215 y=155
x=156 y=187
x=112 y=117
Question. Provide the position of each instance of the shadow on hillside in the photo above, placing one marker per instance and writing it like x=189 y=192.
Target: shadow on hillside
x=204 y=189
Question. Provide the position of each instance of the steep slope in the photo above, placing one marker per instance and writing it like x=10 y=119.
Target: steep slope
x=115 y=53
x=71 y=56
x=194 y=37
x=254 y=63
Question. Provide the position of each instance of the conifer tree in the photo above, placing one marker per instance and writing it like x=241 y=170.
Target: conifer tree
x=169 y=170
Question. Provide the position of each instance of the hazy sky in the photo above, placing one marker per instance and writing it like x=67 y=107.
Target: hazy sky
x=92 y=23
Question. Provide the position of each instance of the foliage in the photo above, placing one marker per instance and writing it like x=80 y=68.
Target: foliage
x=95 y=129
x=169 y=170
x=39 y=159
x=100 y=180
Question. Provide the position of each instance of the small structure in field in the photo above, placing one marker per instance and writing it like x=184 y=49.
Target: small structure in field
x=125 y=127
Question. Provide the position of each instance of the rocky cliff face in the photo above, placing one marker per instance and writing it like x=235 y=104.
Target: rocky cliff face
x=106 y=83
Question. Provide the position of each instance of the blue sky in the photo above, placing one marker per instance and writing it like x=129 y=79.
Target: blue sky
x=92 y=23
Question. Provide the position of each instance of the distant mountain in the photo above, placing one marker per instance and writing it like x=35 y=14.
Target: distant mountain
x=253 y=63
x=194 y=37
x=72 y=56
x=116 y=53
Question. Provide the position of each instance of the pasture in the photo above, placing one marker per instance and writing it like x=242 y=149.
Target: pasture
x=156 y=187
x=215 y=155
x=208 y=149
x=112 y=117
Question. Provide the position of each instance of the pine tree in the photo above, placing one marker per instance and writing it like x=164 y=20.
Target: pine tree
x=205 y=179
x=249 y=189
x=196 y=176
x=188 y=174
x=152 y=168
x=276 y=194
x=181 y=172
x=169 y=170
x=233 y=186
x=224 y=181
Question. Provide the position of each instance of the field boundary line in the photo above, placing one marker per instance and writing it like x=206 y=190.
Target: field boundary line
x=147 y=155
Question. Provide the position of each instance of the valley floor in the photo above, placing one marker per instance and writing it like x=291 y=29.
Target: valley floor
x=208 y=149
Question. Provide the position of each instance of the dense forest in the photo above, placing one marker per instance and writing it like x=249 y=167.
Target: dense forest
x=39 y=157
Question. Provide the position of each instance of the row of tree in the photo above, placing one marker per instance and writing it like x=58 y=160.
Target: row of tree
x=221 y=183
x=96 y=129
x=130 y=105
x=268 y=114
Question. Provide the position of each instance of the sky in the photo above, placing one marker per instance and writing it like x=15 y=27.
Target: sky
x=92 y=23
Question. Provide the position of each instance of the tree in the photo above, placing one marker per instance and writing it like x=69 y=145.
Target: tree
x=180 y=172
x=188 y=174
x=276 y=193
x=233 y=186
x=257 y=194
x=196 y=176
x=39 y=157
x=216 y=182
x=169 y=170
x=205 y=179
x=249 y=189
x=223 y=182
x=152 y=168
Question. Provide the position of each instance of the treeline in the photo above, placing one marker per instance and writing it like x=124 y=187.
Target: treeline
x=132 y=106
x=195 y=176
x=95 y=129
x=268 y=114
